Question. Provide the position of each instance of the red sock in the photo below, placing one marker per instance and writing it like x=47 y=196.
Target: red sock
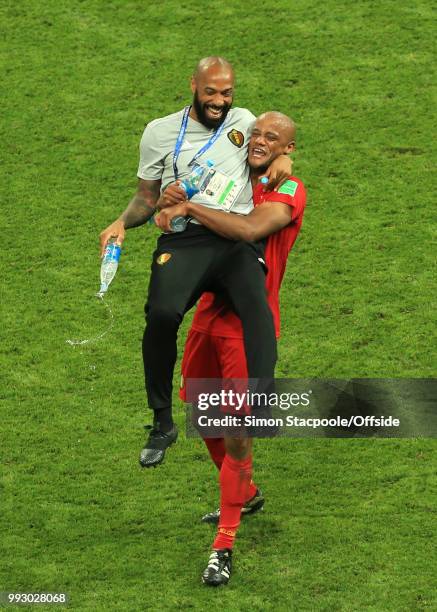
x=216 y=447
x=235 y=478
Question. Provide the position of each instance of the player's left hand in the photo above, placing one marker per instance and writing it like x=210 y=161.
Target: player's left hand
x=164 y=217
x=278 y=172
x=172 y=196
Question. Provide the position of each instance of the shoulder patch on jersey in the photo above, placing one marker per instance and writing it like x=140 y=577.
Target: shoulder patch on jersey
x=289 y=188
x=236 y=138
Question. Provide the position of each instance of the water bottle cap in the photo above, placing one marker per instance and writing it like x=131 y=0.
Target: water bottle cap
x=210 y=163
x=264 y=180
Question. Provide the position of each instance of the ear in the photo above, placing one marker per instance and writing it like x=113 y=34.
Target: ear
x=290 y=147
x=193 y=84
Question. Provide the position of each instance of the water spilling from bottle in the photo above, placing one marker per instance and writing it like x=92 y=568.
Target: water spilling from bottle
x=75 y=342
x=108 y=270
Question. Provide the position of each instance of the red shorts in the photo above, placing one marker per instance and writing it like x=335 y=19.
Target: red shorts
x=212 y=357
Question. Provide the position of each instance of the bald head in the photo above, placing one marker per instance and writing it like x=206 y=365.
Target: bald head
x=283 y=123
x=213 y=62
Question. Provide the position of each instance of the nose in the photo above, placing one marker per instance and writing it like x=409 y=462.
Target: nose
x=259 y=139
x=218 y=100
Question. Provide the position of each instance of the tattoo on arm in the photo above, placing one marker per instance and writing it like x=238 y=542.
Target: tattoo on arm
x=142 y=205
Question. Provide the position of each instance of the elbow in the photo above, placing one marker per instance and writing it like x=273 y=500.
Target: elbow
x=246 y=232
x=250 y=235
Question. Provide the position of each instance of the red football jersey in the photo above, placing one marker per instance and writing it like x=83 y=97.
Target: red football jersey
x=213 y=315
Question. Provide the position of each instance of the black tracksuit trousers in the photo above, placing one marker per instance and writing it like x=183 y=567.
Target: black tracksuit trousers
x=203 y=261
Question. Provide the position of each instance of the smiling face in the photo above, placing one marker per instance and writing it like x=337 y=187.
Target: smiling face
x=272 y=135
x=213 y=92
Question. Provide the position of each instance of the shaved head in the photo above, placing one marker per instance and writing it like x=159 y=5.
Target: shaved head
x=214 y=61
x=284 y=123
x=212 y=85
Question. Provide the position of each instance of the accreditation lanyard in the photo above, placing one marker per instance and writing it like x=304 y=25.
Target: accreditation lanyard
x=180 y=139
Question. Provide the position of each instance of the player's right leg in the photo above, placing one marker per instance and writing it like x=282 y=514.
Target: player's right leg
x=235 y=478
x=215 y=357
x=237 y=489
x=182 y=267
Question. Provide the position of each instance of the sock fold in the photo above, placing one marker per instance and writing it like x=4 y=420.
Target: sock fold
x=235 y=480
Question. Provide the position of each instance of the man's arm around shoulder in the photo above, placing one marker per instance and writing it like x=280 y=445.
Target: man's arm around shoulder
x=264 y=220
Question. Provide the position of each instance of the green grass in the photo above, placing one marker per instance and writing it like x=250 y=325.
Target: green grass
x=348 y=524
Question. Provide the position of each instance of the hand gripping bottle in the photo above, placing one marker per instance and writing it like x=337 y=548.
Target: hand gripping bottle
x=191 y=184
x=109 y=266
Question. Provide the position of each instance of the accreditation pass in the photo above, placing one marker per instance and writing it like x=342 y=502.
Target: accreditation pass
x=220 y=190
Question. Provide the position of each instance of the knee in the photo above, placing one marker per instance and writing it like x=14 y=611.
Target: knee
x=162 y=316
x=252 y=304
x=251 y=295
x=238 y=448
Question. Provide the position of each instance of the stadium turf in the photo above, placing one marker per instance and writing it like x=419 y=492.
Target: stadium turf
x=348 y=524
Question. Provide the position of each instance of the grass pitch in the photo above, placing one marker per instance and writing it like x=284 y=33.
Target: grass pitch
x=348 y=524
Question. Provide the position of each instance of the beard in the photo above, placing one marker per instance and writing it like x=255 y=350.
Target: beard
x=208 y=122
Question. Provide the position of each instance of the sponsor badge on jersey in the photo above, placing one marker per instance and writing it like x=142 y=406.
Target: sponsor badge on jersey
x=288 y=188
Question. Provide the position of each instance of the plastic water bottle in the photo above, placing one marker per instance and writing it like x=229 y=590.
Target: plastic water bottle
x=191 y=184
x=109 y=266
x=178 y=224
x=193 y=181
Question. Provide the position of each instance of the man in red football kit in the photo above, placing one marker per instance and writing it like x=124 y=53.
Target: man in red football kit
x=214 y=347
